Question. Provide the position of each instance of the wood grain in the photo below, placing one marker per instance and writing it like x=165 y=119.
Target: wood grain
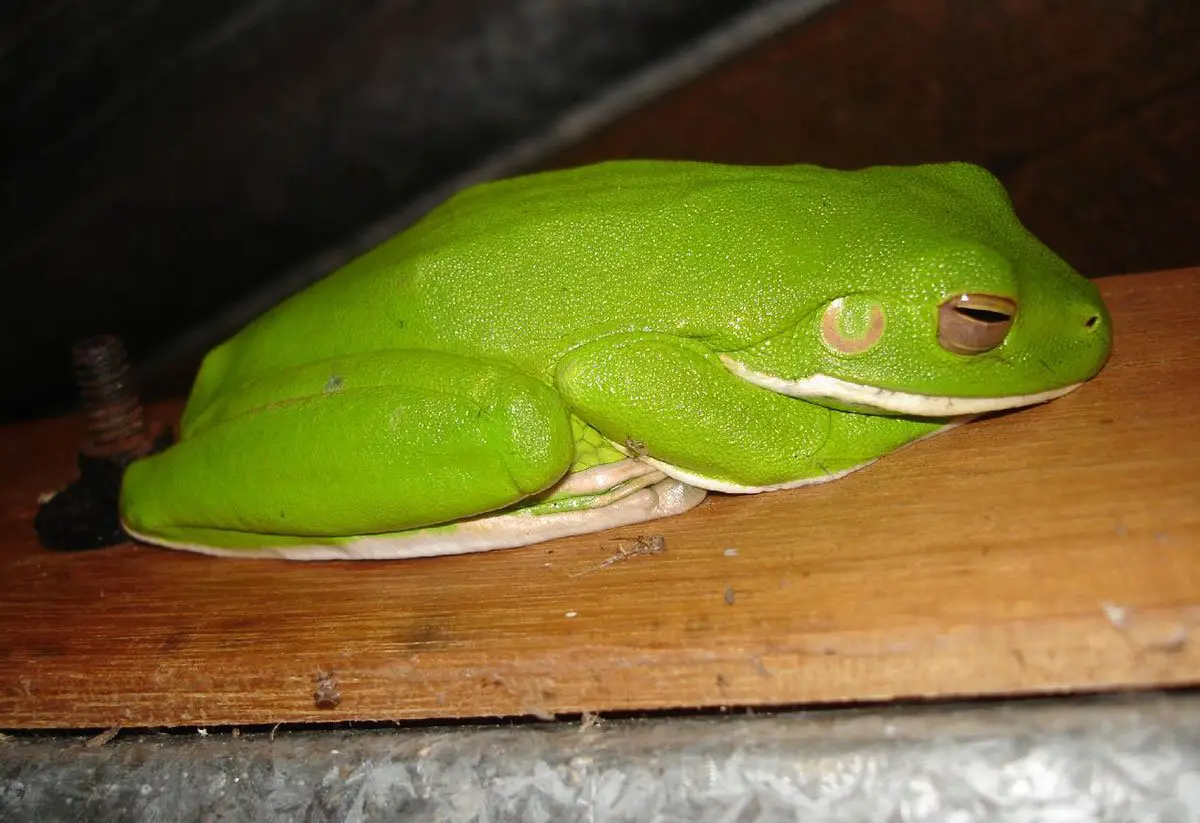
x=1043 y=93
x=1056 y=548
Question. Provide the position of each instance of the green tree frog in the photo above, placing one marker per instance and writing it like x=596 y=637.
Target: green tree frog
x=576 y=350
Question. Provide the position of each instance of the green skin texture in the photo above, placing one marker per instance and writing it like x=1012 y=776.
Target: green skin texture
x=435 y=378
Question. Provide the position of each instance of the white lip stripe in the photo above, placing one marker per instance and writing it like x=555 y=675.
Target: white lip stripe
x=897 y=402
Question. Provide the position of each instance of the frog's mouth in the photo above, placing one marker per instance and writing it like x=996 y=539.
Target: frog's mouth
x=822 y=387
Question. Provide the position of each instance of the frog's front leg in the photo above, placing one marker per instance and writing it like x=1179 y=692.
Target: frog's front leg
x=705 y=426
x=379 y=442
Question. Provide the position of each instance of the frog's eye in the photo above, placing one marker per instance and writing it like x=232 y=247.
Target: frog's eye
x=974 y=323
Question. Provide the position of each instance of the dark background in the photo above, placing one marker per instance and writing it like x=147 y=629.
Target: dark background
x=169 y=168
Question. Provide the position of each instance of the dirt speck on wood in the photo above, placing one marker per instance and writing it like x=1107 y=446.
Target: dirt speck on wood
x=654 y=544
x=326 y=695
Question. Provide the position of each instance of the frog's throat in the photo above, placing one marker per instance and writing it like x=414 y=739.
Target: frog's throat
x=824 y=387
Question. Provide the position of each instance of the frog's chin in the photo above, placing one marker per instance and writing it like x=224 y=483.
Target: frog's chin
x=821 y=388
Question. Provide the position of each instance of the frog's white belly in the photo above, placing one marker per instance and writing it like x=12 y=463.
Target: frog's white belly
x=717 y=485
x=629 y=492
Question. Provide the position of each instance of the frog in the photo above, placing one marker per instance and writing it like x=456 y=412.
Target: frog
x=568 y=351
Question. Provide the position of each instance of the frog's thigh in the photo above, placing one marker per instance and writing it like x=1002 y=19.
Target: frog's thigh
x=506 y=529
x=701 y=423
x=409 y=439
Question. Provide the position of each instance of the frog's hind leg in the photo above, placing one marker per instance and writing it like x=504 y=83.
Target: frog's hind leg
x=646 y=495
x=371 y=444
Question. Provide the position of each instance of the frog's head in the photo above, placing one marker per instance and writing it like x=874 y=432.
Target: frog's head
x=957 y=311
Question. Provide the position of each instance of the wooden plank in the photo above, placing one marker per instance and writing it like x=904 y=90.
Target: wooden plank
x=1056 y=548
x=1043 y=93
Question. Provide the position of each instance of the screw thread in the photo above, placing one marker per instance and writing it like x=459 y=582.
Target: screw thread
x=111 y=407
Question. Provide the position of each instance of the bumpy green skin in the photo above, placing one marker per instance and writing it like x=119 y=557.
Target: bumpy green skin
x=437 y=377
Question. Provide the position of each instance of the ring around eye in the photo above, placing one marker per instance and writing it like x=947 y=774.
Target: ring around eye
x=974 y=323
x=831 y=328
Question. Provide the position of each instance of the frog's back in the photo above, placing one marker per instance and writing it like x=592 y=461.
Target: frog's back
x=521 y=269
x=410 y=291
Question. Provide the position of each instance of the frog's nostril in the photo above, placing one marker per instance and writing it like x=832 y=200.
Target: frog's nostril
x=1091 y=322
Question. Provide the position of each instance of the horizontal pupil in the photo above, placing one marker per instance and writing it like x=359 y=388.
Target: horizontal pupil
x=983 y=315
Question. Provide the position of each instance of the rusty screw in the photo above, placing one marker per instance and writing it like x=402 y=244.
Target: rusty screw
x=85 y=514
x=116 y=429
